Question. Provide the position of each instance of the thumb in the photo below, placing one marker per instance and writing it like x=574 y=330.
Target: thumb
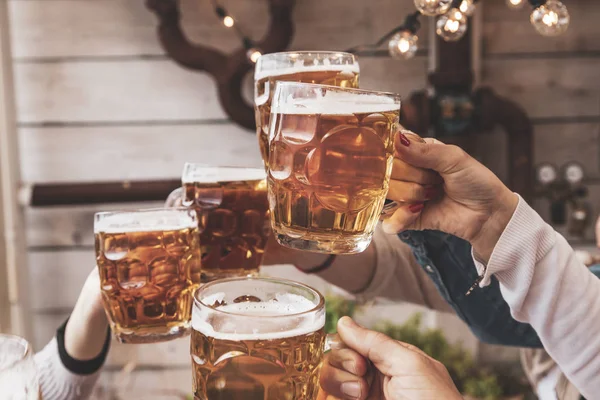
x=429 y=153
x=389 y=356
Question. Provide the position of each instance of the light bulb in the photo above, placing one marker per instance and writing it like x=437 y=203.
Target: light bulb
x=228 y=21
x=403 y=45
x=515 y=4
x=451 y=26
x=467 y=7
x=253 y=54
x=433 y=8
x=551 y=18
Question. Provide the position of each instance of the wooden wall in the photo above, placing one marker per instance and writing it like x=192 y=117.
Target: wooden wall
x=98 y=100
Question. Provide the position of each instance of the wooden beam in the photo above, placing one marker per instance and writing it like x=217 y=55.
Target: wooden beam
x=14 y=310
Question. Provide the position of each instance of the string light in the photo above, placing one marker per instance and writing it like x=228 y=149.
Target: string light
x=515 y=4
x=432 y=8
x=252 y=53
x=550 y=18
x=451 y=26
x=467 y=7
x=404 y=43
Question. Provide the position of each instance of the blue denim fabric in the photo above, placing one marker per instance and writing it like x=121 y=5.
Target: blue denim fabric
x=448 y=262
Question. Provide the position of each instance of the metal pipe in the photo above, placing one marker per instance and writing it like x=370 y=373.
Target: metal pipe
x=71 y=194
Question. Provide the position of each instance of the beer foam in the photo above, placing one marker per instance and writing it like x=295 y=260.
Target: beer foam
x=337 y=103
x=203 y=174
x=244 y=321
x=145 y=221
x=274 y=72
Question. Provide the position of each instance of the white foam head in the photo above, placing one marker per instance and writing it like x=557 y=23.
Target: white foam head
x=333 y=102
x=286 y=63
x=145 y=221
x=279 y=318
x=345 y=69
x=197 y=173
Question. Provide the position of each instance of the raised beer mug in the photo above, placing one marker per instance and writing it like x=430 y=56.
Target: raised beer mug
x=149 y=264
x=323 y=67
x=18 y=376
x=330 y=161
x=233 y=217
x=257 y=339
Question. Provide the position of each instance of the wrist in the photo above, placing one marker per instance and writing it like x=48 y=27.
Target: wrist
x=491 y=230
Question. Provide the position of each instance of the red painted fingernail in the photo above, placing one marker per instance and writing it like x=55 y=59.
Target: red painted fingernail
x=431 y=192
x=404 y=140
x=416 y=208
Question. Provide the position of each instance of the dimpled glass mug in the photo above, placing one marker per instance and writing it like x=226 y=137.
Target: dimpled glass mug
x=330 y=161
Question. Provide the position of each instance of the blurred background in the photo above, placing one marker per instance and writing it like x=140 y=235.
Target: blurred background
x=90 y=96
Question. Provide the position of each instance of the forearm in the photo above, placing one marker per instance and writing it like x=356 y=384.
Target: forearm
x=63 y=377
x=386 y=269
x=85 y=332
x=547 y=286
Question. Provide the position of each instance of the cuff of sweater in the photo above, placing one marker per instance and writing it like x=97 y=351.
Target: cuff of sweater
x=525 y=240
x=384 y=259
x=80 y=367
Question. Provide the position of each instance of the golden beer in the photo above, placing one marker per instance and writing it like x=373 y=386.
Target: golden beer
x=257 y=339
x=233 y=216
x=149 y=264
x=327 y=68
x=330 y=160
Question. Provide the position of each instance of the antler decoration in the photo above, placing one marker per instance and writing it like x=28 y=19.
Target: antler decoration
x=228 y=70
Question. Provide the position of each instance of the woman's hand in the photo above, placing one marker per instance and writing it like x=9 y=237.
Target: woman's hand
x=85 y=332
x=373 y=366
x=474 y=204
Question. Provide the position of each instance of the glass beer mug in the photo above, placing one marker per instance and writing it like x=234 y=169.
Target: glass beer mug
x=323 y=67
x=330 y=161
x=233 y=217
x=149 y=264
x=257 y=339
x=18 y=376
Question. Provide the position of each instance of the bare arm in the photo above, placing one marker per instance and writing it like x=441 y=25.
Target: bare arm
x=386 y=269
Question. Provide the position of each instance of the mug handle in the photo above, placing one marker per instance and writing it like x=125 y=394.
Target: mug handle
x=333 y=341
x=175 y=199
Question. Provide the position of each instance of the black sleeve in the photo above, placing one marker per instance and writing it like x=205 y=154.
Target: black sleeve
x=79 y=367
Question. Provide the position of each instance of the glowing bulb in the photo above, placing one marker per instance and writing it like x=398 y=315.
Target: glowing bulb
x=551 y=18
x=403 y=45
x=467 y=7
x=228 y=21
x=515 y=4
x=253 y=54
x=433 y=7
x=451 y=26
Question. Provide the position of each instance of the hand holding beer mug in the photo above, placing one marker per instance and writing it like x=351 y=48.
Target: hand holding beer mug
x=330 y=160
x=233 y=216
x=322 y=67
x=18 y=376
x=149 y=265
x=257 y=339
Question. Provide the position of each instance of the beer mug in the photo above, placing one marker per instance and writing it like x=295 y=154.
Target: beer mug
x=257 y=339
x=330 y=161
x=18 y=376
x=149 y=264
x=233 y=217
x=323 y=67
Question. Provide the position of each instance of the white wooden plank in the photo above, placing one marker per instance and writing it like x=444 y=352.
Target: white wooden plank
x=14 y=299
x=64 y=28
x=151 y=90
x=547 y=87
x=156 y=90
x=146 y=90
x=134 y=152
